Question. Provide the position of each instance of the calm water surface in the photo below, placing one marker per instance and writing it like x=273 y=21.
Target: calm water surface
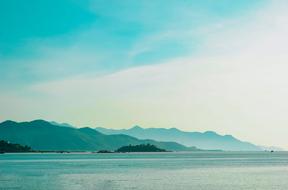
x=159 y=171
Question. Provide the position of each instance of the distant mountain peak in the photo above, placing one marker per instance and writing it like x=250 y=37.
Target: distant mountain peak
x=229 y=136
x=88 y=129
x=35 y=123
x=210 y=133
x=40 y=122
x=136 y=127
x=8 y=122
x=61 y=124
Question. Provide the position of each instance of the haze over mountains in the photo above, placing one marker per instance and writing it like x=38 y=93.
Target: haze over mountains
x=206 y=140
x=52 y=136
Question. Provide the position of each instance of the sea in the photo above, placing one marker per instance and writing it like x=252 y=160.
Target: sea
x=145 y=171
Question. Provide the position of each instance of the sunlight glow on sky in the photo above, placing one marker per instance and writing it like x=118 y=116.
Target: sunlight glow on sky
x=194 y=65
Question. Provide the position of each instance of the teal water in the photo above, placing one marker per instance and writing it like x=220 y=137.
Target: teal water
x=151 y=171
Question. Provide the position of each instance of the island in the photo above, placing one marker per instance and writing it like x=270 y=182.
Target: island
x=140 y=148
x=104 y=151
x=8 y=147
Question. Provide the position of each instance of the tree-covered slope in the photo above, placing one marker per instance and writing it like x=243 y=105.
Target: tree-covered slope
x=10 y=147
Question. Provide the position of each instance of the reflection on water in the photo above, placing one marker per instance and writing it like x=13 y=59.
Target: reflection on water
x=167 y=171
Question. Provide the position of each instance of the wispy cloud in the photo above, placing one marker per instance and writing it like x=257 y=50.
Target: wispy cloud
x=118 y=36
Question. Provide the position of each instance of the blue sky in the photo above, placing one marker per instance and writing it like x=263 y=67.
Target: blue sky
x=190 y=64
x=114 y=34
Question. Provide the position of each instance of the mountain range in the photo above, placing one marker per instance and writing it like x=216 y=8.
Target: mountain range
x=51 y=136
x=205 y=140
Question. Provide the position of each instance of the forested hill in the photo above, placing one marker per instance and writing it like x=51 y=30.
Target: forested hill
x=10 y=147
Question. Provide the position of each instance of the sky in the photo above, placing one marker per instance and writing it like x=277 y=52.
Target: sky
x=194 y=65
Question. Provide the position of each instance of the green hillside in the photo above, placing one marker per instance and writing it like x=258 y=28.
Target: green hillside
x=43 y=135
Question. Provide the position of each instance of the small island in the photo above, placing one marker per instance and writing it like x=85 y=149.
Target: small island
x=104 y=151
x=140 y=148
x=11 y=148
